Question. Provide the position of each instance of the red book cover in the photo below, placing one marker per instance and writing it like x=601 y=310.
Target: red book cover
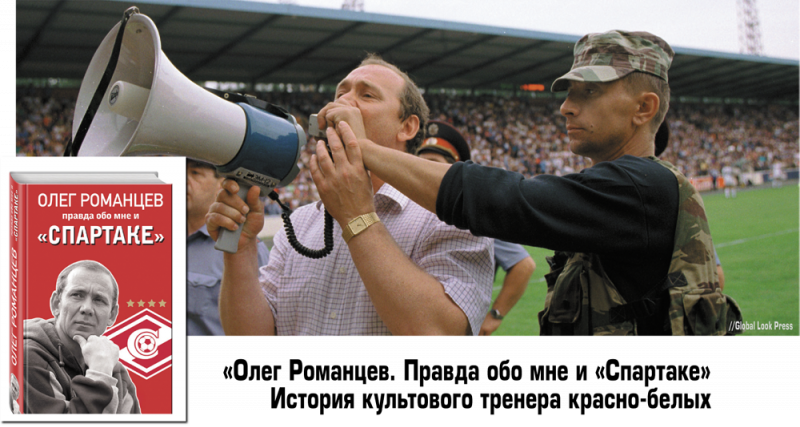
x=91 y=256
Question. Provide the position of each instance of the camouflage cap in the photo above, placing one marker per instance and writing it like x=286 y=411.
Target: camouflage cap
x=605 y=57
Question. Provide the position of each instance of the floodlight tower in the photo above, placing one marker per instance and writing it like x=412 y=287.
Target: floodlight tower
x=749 y=27
x=354 y=5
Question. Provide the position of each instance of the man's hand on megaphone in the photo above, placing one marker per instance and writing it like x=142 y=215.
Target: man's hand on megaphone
x=342 y=110
x=231 y=212
x=344 y=185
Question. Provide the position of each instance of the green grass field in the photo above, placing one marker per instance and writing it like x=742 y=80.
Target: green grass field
x=756 y=236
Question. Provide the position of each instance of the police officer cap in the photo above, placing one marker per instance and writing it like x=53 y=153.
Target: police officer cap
x=443 y=138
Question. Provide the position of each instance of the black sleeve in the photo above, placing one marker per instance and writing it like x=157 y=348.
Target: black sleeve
x=612 y=207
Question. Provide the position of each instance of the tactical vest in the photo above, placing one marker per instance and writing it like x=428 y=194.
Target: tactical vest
x=582 y=300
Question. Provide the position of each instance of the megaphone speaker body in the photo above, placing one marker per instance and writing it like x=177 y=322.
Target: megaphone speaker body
x=151 y=108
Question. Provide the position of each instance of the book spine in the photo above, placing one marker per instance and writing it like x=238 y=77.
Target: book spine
x=17 y=284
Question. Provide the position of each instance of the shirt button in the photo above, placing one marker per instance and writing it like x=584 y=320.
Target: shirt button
x=342 y=270
x=333 y=314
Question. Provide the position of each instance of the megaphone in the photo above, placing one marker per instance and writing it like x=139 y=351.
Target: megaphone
x=137 y=103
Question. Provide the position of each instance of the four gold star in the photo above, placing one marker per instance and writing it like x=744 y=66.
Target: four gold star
x=150 y=303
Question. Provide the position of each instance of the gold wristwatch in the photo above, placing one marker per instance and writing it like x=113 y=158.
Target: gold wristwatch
x=358 y=225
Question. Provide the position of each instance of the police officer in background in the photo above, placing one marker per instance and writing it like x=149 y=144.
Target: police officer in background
x=204 y=264
x=445 y=144
x=634 y=251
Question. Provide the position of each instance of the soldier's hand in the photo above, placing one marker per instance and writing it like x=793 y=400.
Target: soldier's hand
x=342 y=110
x=99 y=353
x=343 y=184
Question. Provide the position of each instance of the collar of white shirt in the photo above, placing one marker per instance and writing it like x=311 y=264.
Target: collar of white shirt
x=385 y=195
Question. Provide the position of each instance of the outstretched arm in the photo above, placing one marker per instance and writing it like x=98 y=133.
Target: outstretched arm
x=417 y=178
x=406 y=297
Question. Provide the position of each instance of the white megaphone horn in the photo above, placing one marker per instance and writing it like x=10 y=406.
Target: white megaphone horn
x=148 y=107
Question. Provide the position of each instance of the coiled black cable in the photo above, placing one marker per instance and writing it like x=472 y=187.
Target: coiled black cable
x=302 y=250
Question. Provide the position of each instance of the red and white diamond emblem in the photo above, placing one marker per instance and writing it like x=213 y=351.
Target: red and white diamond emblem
x=145 y=343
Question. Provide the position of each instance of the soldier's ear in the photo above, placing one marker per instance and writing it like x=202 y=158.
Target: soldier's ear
x=647 y=107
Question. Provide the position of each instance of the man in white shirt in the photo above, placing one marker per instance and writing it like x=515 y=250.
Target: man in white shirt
x=397 y=269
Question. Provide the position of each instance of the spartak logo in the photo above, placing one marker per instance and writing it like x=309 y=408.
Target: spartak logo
x=145 y=343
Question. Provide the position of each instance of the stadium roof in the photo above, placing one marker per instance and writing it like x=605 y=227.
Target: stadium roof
x=264 y=42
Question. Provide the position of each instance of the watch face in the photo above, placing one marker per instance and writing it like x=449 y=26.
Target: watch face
x=357 y=225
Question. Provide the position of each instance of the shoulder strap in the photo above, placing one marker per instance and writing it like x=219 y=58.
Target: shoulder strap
x=691 y=245
x=75 y=145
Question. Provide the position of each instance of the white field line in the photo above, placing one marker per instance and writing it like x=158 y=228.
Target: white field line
x=750 y=239
x=720 y=245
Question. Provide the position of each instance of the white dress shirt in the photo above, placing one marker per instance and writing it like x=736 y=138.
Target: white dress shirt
x=328 y=297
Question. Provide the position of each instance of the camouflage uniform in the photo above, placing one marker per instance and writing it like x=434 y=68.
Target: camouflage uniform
x=581 y=299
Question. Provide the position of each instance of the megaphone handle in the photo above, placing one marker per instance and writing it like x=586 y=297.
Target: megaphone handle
x=228 y=241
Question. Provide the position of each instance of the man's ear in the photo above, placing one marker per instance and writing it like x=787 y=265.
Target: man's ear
x=647 y=107
x=55 y=302
x=113 y=317
x=409 y=129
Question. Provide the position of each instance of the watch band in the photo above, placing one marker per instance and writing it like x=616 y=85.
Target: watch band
x=496 y=314
x=358 y=225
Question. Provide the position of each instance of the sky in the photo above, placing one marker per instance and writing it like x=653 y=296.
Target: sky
x=697 y=24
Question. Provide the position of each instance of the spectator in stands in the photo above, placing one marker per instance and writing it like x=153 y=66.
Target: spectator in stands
x=444 y=144
x=42 y=122
x=704 y=136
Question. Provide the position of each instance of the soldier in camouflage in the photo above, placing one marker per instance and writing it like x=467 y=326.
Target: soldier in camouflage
x=633 y=247
x=691 y=288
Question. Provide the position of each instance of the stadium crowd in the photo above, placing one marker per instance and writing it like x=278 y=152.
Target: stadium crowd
x=522 y=134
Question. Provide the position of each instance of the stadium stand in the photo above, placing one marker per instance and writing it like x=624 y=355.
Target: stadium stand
x=313 y=46
x=522 y=134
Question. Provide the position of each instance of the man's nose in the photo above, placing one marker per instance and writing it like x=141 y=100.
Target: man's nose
x=348 y=98
x=86 y=306
x=569 y=107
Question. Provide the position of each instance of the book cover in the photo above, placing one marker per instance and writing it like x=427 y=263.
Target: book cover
x=91 y=255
